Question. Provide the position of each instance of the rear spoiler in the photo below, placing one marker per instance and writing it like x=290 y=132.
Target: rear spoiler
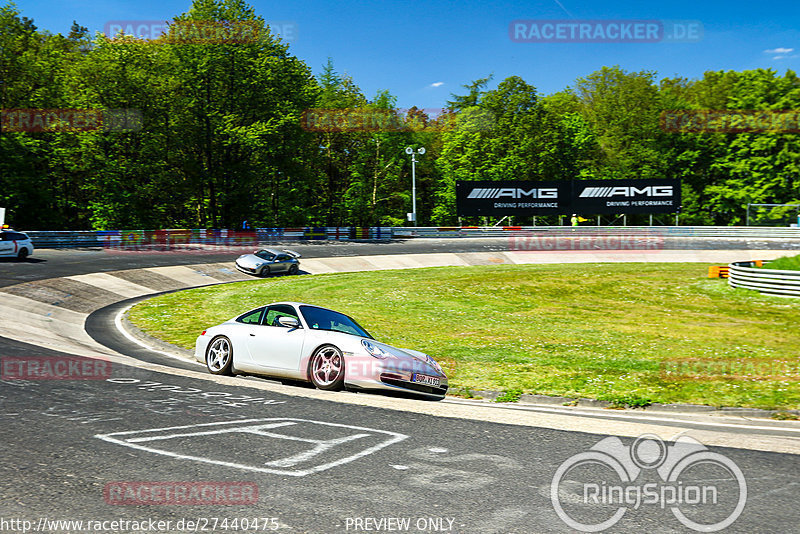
x=292 y=253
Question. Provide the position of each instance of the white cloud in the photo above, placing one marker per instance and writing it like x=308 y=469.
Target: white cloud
x=437 y=84
x=779 y=51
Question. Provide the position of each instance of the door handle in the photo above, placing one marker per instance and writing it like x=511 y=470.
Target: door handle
x=252 y=335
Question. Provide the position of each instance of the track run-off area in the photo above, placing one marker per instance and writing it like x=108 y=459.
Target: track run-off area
x=148 y=439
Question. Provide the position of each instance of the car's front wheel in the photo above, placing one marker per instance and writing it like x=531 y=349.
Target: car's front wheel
x=219 y=356
x=22 y=254
x=264 y=271
x=327 y=368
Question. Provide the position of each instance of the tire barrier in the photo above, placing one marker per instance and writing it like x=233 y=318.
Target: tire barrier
x=746 y=275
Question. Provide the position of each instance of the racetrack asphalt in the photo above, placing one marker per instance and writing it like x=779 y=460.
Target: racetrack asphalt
x=339 y=462
x=51 y=263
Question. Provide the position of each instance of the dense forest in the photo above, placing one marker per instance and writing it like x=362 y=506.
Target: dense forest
x=208 y=135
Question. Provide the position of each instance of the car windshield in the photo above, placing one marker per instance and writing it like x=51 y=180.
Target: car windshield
x=322 y=319
x=265 y=255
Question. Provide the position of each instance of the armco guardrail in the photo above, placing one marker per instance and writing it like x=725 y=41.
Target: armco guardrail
x=768 y=281
x=735 y=232
x=129 y=239
x=176 y=238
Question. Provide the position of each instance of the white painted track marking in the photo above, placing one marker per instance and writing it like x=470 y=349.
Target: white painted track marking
x=129 y=337
x=129 y=439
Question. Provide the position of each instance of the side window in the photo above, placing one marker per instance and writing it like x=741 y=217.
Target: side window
x=341 y=327
x=5 y=236
x=282 y=257
x=253 y=317
x=279 y=310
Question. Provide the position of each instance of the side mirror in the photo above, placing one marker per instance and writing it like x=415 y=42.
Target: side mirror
x=289 y=322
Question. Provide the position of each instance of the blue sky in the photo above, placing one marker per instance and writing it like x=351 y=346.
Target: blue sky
x=423 y=52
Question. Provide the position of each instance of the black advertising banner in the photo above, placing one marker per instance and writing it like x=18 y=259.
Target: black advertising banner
x=626 y=196
x=493 y=198
x=488 y=197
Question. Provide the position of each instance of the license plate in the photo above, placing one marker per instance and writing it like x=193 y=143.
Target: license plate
x=427 y=380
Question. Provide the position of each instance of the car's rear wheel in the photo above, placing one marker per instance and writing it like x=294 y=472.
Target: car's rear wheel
x=327 y=368
x=293 y=269
x=22 y=254
x=219 y=356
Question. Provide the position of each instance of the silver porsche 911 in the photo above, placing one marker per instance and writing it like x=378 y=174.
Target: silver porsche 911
x=269 y=261
x=297 y=341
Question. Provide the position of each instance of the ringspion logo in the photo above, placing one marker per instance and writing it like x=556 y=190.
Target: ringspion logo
x=704 y=490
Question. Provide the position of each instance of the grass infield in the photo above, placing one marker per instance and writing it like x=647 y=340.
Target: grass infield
x=785 y=263
x=632 y=334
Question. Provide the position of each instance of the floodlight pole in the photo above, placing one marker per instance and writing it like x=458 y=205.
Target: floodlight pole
x=414 y=188
x=413 y=153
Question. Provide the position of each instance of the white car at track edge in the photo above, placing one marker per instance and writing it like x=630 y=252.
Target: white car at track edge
x=297 y=341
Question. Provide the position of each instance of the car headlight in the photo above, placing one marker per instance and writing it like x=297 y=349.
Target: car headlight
x=433 y=363
x=374 y=350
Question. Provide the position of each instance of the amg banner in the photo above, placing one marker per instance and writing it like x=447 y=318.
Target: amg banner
x=491 y=198
x=511 y=198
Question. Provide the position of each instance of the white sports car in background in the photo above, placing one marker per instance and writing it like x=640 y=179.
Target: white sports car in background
x=297 y=341
x=269 y=261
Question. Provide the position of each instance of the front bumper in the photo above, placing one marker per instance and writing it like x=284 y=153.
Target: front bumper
x=246 y=270
x=365 y=372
